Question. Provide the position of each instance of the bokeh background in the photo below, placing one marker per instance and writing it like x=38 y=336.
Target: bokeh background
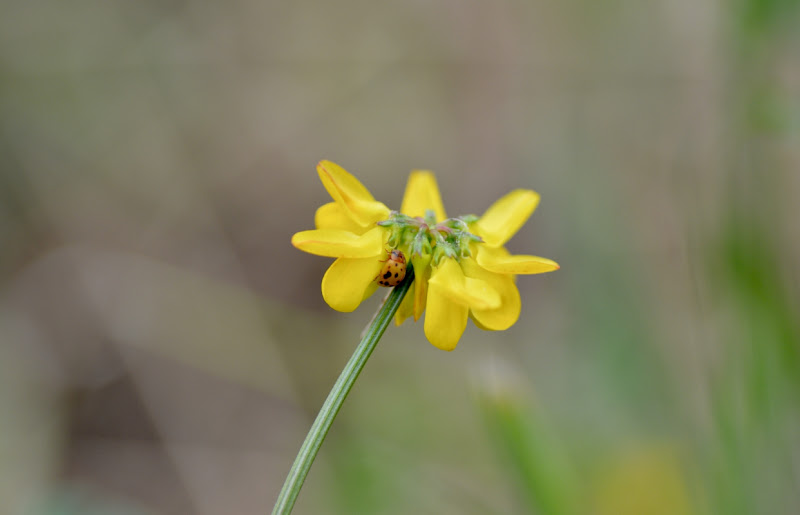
x=163 y=348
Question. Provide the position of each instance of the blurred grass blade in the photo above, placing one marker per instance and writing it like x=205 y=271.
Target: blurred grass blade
x=532 y=456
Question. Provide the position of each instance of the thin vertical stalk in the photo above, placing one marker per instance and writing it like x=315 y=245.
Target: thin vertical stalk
x=327 y=414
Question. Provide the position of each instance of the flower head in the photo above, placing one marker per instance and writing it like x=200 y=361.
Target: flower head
x=462 y=269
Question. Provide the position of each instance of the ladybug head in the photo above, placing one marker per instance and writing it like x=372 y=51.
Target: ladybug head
x=397 y=255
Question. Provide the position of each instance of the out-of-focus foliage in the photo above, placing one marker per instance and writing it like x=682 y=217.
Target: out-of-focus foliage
x=163 y=348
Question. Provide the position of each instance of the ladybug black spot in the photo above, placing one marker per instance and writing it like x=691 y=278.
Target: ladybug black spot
x=395 y=274
x=387 y=275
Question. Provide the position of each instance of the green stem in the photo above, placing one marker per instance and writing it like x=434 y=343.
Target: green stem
x=316 y=435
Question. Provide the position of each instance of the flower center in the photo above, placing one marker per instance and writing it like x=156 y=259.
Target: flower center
x=423 y=236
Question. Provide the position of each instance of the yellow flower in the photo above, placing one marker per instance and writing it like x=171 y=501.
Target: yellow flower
x=462 y=270
x=347 y=230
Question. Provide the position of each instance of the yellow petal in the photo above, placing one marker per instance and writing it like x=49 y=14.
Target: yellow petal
x=406 y=308
x=370 y=289
x=505 y=217
x=422 y=273
x=332 y=243
x=349 y=281
x=351 y=195
x=445 y=320
x=450 y=282
x=503 y=317
x=417 y=296
x=333 y=216
x=498 y=261
x=422 y=194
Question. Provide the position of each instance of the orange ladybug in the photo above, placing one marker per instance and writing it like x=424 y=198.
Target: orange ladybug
x=394 y=270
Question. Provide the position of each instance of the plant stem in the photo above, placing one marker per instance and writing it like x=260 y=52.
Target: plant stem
x=316 y=435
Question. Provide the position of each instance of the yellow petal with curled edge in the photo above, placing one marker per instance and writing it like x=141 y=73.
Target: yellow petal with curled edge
x=422 y=194
x=499 y=261
x=503 y=317
x=333 y=243
x=505 y=217
x=445 y=320
x=450 y=282
x=333 y=216
x=351 y=195
x=349 y=281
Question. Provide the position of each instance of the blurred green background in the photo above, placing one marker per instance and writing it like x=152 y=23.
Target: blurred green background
x=163 y=348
